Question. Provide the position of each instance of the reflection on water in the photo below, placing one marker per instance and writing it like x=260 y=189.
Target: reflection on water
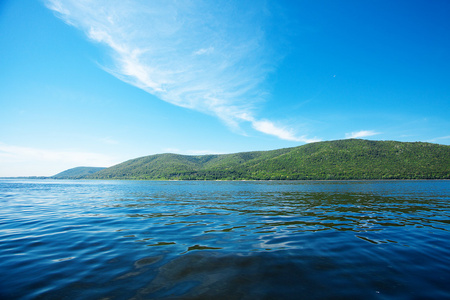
x=224 y=240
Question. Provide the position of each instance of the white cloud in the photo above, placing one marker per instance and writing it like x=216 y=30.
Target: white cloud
x=360 y=134
x=190 y=54
x=204 y=51
x=439 y=138
x=27 y=161
x=268 y=127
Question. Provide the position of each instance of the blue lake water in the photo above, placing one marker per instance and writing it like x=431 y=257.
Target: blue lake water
x=224 y=240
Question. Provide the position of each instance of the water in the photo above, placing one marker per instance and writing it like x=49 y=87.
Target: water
x=224 y=240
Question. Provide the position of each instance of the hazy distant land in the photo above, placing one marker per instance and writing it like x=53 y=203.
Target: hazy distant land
x=77 y=173
x=333 y=160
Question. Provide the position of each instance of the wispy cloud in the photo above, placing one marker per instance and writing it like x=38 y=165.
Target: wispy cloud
x=269 y=127
x=204 y=51
x=193 y=54
x=360 y=134
x=439 y=139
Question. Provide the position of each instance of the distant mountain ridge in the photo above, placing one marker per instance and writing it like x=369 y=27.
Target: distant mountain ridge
x=330 y=160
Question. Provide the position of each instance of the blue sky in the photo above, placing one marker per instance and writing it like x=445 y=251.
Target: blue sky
x=95 y=83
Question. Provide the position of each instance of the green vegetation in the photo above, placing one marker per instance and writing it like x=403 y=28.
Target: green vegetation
x=76 y=173
x=333 y=160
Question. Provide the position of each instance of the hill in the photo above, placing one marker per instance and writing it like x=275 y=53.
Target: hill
x=342 y=159
x=76 y=173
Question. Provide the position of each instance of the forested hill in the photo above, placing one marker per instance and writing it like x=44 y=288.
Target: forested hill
x=342 y=159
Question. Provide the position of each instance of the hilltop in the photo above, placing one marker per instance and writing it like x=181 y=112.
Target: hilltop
x=338 y=160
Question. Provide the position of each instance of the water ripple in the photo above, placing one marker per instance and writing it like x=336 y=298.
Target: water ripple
x=224 y=240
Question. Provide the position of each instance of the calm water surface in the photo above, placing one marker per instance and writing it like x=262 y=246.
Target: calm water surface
x=224 y=240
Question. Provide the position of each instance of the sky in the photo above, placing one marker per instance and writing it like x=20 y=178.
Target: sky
x=96 y=83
